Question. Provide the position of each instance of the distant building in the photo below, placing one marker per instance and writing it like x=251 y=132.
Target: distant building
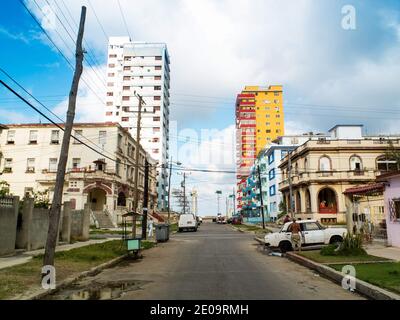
x=323 y=168
x=141 y=68
x=268 y=161
x=259 y=120
x=29 y=163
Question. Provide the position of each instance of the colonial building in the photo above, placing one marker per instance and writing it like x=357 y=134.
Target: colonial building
x=105 y=178
x=322 y=169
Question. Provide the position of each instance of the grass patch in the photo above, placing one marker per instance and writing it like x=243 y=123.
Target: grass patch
x=102 y=231
x=19 y=279
x=245 y=227
x=384 y=275
x=316 y=256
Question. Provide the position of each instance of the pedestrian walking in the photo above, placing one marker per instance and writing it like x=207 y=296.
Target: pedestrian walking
x=295 y=229
x=287 y=219
x=150 y=227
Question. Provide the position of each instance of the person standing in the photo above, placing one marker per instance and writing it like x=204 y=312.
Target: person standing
x=287 y=219
x=295 y=228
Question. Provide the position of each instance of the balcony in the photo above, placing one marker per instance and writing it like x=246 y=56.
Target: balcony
x=359 y=176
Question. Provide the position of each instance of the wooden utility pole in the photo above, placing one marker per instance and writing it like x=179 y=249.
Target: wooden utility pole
x=169 y=191
x=54 y=215
x=261 y=196
x=184 y=193
x=137 y=161
x=145 y=200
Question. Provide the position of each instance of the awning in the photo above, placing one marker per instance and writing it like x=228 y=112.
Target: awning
x=366 y=189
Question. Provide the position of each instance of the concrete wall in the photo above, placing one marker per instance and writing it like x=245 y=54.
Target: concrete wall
x=39 y=228
x=80 y=224
x=393 y=227
x=8 y=224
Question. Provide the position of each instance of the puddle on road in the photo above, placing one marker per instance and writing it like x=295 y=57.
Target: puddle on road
x=97 y=291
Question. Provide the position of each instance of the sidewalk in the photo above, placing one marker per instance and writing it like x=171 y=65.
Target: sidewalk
x=380 y=250
x=25 y=256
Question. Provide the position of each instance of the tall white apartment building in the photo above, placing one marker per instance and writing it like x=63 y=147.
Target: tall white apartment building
x=141 y=68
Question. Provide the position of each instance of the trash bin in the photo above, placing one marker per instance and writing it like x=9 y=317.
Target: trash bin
x=162 y=232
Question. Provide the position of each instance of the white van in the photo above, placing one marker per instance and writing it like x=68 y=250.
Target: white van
x=187 y=222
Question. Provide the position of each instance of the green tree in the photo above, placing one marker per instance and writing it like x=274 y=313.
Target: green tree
x=4 y=189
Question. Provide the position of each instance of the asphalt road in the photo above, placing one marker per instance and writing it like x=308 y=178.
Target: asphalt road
x=216 y=262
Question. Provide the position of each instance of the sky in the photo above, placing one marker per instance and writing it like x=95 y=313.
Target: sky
x=330 y=74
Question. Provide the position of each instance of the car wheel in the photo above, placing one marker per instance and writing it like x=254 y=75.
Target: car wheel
x=285 y=246
x=336 y=240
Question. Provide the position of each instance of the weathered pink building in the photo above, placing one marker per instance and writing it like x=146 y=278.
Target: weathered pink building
x=392 y=206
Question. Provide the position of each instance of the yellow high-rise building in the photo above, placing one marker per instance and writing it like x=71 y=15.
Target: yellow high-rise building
x=259 y=120
x=269 y=113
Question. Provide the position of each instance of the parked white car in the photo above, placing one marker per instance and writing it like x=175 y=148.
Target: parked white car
x=187 y=222
x=313 y=233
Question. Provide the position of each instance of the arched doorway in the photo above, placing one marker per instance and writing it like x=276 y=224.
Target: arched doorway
x=327 y=201
x=308 y=201
x=298 y=202
x=121 y=202
x=97 y=198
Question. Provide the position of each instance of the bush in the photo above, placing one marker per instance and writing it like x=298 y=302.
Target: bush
x=329 y=250
x=351 y=246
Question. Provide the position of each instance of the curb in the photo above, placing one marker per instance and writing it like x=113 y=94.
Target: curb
x=67 y=282
x=366 y=289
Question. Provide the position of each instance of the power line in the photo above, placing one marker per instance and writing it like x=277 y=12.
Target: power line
x=124 y=20
x=55 y=45
x=97 y=18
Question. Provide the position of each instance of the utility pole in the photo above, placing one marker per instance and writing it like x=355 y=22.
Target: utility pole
x=291 y=211
x=169 y=191
x=261 y=196
x=145 y=200
x=184 y=193
x=218 y=192
x=137 y=160
x=54 y=215
x=234 y=203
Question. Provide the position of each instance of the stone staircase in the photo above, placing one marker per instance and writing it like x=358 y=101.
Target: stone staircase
x=103 y=220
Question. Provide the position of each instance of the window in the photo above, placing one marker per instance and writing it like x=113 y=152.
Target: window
x=385 y=163
x=109 y=104
x=111 y=74
x=272 y=174
x=117 y=167
x=156 y=118
x=125 y=109
x=102 y=138
x=11 y=137
x=110 y=94
x=268 y=131
x=76 y=163
x=110 y=84
x=157 y=98
x=127 y=68
x=125 y=119
x=157 y=109
x=284 y=154
x=394 y=208
x=119 y=141
x=155 y=130
x=271 y=158
x=156 y=151
x=325 y=164
x=311 y=226
x=53 y=165
x=355 y=163
x=157 y=78
x=158 y=67
x=112 y=55
x=8 y=165
x=125 y=98
x=272 y=191
x=33 y=137
x=158 y=58
x=126 y=88
x=156 y=140
x=109 y=113
x=79 y=135
x=30 y=165
x=157 y=88
x=55 y=137
x=127 y=78
x=111 y=65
